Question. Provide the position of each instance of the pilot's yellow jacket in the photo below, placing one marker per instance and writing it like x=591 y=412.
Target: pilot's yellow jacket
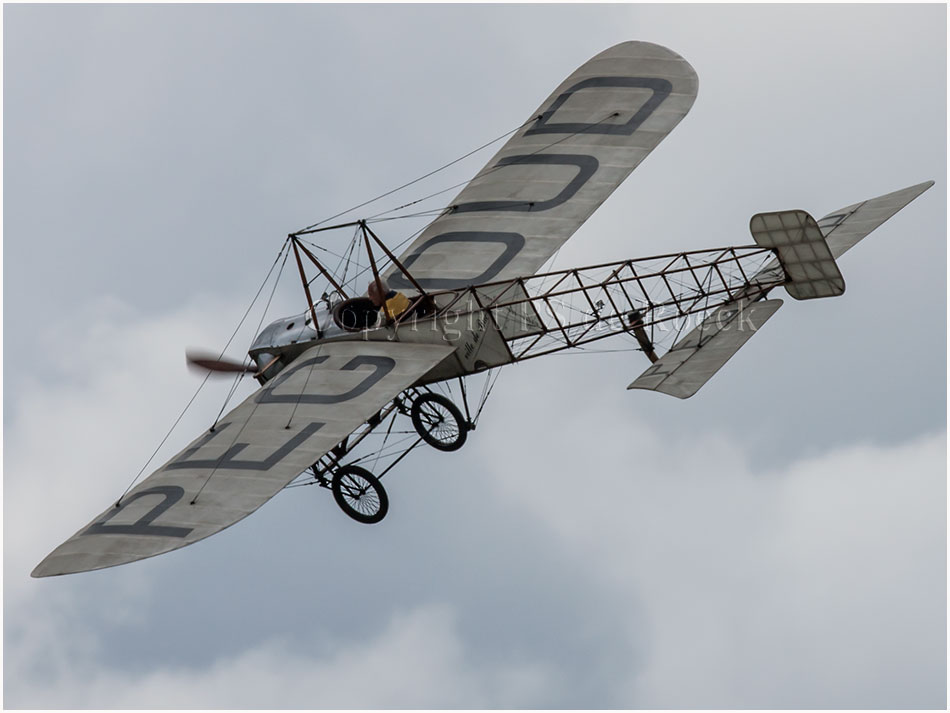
x=396 y=304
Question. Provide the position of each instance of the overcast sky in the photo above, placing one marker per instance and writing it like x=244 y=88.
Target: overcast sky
x=779 y=540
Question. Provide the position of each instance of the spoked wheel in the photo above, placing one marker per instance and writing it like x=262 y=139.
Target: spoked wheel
x=360 y=494
x=439 y=422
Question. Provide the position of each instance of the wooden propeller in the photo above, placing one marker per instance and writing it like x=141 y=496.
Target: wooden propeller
x=208 y=362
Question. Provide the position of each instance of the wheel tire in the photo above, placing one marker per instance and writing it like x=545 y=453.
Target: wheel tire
x=360 y=494
x=439 y=422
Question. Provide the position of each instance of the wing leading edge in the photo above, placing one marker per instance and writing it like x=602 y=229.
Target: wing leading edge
x=254 y=451
x=581 y=143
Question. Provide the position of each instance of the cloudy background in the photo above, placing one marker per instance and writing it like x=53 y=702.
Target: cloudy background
x=779 y=540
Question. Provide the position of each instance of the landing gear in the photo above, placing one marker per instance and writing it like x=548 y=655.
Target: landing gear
x=360 y=494
x=439 y=422
x=357 y=491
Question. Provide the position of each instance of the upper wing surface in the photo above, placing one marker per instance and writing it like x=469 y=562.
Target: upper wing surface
x=255 y=450
x=581 y=143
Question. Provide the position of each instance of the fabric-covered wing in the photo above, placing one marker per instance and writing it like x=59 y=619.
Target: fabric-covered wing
x=845 y=227
x=256 y=449
x=583 y=141
x=695 y=358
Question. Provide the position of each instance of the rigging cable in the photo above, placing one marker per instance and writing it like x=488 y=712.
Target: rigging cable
x=207 y=376
x=260 y=323
x=303 y=389
x=494 y=168
x=349 y=257
x=439 y=213
x=487 y=392
x=384 y=263
x=379 y=453
x=416 y=180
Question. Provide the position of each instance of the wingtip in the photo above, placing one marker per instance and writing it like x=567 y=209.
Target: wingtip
x=55 y=565
x=919 y=188
x=38 y=571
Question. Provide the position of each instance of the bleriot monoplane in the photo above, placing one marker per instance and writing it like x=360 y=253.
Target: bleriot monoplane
x=356 y=381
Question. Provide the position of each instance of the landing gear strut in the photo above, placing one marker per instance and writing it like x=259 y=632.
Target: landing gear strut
x=357 y=491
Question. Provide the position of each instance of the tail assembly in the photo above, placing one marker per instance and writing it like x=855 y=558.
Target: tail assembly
x=806 y=252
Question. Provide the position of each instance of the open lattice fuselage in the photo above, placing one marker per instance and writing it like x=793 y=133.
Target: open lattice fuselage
x=652 y=300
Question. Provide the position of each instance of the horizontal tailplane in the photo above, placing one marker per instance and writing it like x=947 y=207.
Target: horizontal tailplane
x=693 y=360
x=845 y=227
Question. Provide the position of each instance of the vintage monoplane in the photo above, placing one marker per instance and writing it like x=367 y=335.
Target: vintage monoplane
x=466 y=298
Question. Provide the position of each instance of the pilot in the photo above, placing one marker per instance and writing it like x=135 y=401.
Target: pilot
x=391 y=302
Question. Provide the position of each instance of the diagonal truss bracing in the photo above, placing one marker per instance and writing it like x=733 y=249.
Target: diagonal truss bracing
x=655 y=297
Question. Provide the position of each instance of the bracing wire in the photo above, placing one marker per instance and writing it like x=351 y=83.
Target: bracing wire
x=379 y=453
x=420 y=178
x=586 y=350
x=383 y=263
x=486 y=392
x=485 y=173
x=303 y=390
x=349 y=257
x=227 y=399
x=207 y=376
x=438 y=213
x=237 y=379
x=214 y=470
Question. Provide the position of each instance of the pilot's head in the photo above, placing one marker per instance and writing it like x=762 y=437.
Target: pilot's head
x=375 y=296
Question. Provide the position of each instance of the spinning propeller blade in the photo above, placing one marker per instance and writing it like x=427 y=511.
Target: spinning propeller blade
x=208 y=362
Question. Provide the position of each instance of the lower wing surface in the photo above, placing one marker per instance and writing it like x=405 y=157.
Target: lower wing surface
x=253 y=452
x=695 y=358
